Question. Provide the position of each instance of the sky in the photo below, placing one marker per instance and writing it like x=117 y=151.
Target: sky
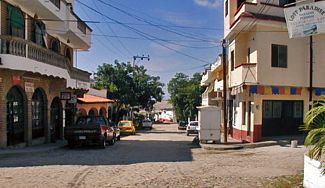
x=178 y=35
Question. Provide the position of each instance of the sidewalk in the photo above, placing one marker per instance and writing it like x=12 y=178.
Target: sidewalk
x=43 y=148
x=235 y=144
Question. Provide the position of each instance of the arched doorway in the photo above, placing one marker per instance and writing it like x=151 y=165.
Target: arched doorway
x=56 y=119
x=39 y=111
x=69 y=114
x=16 y=111
x=93 y=112
x=82 y=112
x=102 y=112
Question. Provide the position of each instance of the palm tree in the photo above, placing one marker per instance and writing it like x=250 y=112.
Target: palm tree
x=315 y=126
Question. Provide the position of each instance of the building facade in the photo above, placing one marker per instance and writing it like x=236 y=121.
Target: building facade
x=37 y=44
x=268 y=72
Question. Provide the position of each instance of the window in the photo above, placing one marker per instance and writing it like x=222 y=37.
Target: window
x=38 y=33
x=240 y=2
x=68 y=53
x=248 y=55
x=267 y=109
x=16 y=22
x=226 y=8
x=284 y=2
x=277 y=109
x=297 y=109
x=232 y=60
x=55 y=46
x=279 y=56
x=37 y=114
x=244 y=113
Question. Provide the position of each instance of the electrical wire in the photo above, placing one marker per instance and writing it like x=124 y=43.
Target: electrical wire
x=148 y=36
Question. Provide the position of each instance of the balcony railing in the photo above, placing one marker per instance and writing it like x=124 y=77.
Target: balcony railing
x=244 y=74
x=56 y=3
x=23 y=48
x=81 y=26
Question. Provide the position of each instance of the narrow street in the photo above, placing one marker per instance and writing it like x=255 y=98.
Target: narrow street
x=162 y=157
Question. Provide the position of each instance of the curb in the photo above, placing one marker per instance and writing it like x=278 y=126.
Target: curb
x=223 y=147
x=29 y=151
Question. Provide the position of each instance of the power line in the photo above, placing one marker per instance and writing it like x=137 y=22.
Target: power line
x=150 y=23
x=145 y=35
x=118 y=39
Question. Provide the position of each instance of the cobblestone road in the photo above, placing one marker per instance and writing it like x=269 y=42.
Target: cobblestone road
x=163 y=157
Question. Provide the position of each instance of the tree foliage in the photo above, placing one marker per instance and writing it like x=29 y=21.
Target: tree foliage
x=185 y=94
x=130 y=85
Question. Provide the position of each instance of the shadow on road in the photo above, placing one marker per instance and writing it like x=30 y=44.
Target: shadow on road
x=122 y=153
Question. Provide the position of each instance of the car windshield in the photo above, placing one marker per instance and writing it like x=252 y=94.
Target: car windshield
x=123 y=124
x=194 y=124
x=91 y=120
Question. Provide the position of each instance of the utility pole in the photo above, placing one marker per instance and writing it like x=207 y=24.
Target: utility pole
x=140 y=57
x=134 y=59
x=311 y=72
x=224 y=66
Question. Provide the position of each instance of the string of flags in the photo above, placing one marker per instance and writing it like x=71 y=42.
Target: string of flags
x=280 y=90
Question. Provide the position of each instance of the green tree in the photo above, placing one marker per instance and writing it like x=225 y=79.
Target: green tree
x=185 y=94
x=131 y=86
x=315 y=125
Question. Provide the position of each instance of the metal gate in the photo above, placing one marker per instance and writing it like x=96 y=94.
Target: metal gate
x=281 y=117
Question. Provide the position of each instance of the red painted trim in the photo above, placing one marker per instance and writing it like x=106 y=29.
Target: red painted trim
x=241 y=6
x=242 y=135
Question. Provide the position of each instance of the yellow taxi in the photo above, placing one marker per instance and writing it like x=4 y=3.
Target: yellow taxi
x=126 y=127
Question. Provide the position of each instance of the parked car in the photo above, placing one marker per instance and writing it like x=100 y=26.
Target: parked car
x=147 y=124
x=126 y=127
x=192 y=128
x=117 y=130
x=182 y=125
x=90 y=130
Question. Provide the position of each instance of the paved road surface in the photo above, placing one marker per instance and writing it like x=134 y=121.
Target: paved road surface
x=162 y=157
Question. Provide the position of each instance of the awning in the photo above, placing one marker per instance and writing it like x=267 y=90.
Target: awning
x=236 y=90
x=94 y=99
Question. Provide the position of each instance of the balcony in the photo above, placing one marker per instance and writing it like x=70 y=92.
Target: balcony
x=243 y=74
x=20 y=54
x=49 y=9
x=60 y=21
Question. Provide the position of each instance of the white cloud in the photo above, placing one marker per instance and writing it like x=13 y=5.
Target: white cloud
x=209 y=3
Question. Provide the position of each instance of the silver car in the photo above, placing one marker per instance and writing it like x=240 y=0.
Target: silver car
x=147 y=124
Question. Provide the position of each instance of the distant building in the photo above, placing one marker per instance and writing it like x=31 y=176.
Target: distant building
x=164 y=112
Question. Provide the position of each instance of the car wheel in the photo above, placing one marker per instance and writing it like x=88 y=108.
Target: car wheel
x=112 y=142
x=103 y=143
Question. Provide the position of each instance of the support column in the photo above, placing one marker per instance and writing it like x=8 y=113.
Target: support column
x=29 y=128
x=3 y=114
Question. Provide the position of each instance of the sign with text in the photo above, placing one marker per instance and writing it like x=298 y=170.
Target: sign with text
x=306 y=19
x=29 y=87
x=65 y=95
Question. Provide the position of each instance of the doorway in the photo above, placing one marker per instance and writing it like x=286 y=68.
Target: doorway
x=56 y=119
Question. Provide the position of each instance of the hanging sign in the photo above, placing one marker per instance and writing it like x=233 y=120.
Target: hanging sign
x=29 y=87
x=306 y=19
x=16 y=80
x=65 y=95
